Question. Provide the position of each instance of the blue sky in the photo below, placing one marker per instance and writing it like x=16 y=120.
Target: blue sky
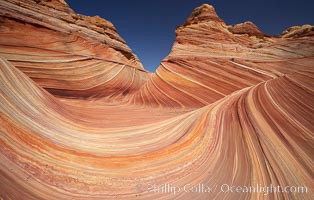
x=148 y=26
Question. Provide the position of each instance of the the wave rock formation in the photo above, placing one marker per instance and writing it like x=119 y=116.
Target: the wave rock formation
x=80 y=118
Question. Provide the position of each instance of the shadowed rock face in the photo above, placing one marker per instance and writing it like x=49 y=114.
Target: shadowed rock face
x=80 y=118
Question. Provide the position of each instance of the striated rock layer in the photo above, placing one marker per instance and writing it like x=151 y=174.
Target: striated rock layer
x=81 y=119
x=210 y=60
x=66 y=53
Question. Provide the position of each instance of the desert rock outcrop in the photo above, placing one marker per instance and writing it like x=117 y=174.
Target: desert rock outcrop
x=80 y=118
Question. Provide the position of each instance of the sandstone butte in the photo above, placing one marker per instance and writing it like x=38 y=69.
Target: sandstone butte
x=80 y=118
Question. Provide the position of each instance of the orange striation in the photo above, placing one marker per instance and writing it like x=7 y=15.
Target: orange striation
x=80 y=118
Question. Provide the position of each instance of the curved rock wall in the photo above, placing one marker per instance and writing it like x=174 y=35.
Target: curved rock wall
x=79 y=119
x=71 y=55
x=208 y=62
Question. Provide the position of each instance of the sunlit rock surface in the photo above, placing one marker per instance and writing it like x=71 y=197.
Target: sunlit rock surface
x=66 y=53
x=209 y=61
x=245 y=28
x=80 y=118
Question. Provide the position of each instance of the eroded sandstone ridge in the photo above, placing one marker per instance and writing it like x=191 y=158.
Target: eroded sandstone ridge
x=210 y=60
x=66 y=53
x=80 y=118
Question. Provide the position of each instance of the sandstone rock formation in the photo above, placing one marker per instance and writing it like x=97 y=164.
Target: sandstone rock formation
x=245 y=28
x=298 y=31
x=208 y=62
x=80 y=118
x=66 y=53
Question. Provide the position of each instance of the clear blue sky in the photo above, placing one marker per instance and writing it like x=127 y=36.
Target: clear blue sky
x=148 y=26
